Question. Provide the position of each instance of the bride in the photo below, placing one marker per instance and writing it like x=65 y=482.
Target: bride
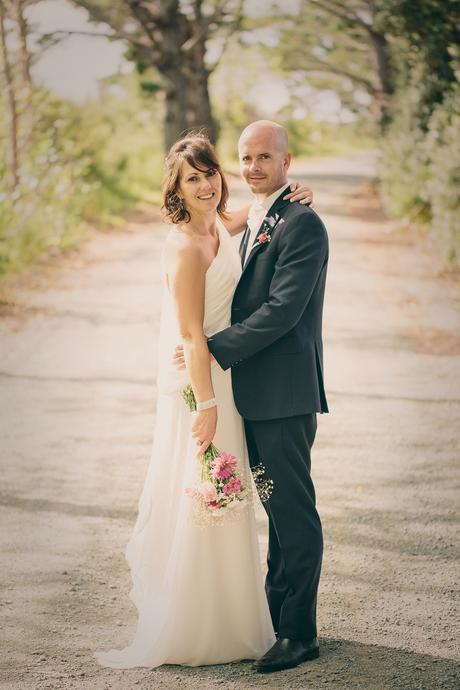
x=198 y=589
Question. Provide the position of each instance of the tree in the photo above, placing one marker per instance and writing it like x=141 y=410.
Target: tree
x=346 y=40
x=429 y=31
x=12 y=155
x=172 y=37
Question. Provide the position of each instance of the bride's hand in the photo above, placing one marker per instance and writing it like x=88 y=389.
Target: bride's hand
x=301 y=193
x=204 y=428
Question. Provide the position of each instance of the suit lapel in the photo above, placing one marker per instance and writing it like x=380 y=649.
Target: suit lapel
x=269 y=223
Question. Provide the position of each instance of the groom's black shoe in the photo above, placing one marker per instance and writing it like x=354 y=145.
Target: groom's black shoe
x=287 y=653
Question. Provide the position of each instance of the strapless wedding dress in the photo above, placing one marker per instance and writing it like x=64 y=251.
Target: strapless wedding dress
x=198 y=590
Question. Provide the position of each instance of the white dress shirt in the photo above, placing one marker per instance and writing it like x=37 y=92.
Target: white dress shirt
x=257 y=212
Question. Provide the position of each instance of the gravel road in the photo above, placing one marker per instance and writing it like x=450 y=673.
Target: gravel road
x=78 y=370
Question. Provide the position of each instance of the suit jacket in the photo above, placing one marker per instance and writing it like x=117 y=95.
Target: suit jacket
x=274 y=345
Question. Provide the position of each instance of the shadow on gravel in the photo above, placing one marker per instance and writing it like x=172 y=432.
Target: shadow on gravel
x=37 y=505
x=343 y=665
x=401 y=535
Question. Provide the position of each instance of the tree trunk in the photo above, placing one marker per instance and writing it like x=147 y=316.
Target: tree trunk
x=187 y=102
x=25 y=55
x=384 y=75
x=173 y=42
x=12 y=163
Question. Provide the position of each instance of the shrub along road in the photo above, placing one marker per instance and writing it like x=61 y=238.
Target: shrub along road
x=78 y=369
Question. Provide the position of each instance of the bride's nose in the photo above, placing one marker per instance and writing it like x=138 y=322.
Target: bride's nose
x=206 y=186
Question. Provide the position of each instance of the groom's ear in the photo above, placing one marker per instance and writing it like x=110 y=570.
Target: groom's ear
x=287 y=160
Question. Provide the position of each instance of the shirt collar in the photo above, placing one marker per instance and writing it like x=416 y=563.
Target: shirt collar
x=270 y=200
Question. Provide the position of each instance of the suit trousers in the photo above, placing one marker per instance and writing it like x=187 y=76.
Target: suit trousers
x=295 y=547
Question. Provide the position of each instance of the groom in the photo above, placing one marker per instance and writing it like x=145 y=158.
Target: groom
x=274 y=347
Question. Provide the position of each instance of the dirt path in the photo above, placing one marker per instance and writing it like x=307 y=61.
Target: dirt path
x=77 y=372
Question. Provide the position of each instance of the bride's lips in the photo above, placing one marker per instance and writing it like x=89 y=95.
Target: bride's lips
x=207 y=196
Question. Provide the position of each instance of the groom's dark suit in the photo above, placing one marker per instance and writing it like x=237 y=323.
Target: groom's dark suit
x=274 y=347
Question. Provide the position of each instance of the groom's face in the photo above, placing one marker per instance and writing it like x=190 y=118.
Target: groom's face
x=263 y=161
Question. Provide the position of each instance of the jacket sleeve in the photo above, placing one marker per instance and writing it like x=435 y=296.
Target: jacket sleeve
x=303 y=251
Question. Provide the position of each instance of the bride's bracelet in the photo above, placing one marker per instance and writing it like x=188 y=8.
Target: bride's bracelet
x=206 y=404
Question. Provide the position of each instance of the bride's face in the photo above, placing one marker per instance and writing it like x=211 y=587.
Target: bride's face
x=200 y=190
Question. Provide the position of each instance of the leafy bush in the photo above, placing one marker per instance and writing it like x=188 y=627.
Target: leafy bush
x=420 y=170
x=83 y=164
x=404 y=168
x=442 y=190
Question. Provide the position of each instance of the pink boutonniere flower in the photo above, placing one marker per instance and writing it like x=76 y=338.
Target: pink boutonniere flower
x=263 y=238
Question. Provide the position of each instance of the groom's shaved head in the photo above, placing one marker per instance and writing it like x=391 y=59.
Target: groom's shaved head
x=264 y=157
x=267 y=128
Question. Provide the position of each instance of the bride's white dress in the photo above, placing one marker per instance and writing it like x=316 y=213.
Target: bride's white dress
x=198 y=590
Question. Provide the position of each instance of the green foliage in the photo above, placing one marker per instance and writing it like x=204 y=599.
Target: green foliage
x=404 y=170
x=430 y=30
x=83 y=164
x=420 y=171
x=442 y=189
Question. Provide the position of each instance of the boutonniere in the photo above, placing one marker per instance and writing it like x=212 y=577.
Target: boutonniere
x=268 y=224
x=263 y=238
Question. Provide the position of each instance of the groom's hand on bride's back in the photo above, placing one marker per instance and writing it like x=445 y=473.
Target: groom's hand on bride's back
x=178 y=359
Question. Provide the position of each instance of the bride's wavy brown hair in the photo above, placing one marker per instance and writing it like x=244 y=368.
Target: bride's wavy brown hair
x=197 y=150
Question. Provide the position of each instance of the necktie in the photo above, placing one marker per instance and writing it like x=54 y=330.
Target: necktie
x=244 y=244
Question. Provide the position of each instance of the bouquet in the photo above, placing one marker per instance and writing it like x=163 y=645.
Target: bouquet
x=222 y=492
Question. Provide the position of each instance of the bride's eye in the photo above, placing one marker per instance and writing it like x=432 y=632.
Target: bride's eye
x=211 y=173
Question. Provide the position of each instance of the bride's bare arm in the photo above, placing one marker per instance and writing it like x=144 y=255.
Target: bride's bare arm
x=186 y=278
x=235 y=221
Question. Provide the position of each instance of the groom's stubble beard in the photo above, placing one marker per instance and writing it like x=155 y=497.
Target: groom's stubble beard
x=263 y=191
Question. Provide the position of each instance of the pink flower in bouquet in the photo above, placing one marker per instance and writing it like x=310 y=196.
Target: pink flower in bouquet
x=223 y=466
x=232 y=486
x=214 y=505
x=208 y=492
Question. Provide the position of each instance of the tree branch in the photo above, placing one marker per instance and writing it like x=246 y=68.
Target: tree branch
x=323 y=66
x=99 y=14
x=341 y=11
x=49 y=40
x=63 y=33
